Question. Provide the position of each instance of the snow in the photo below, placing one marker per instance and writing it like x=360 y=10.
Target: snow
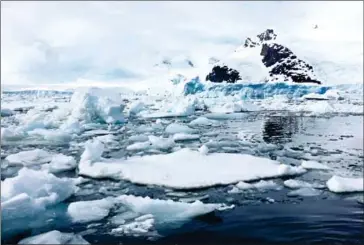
x=87 y=211
x=41 y=190
x=175 y=128
x=340 y=184
x=54 y=237
x=183 y=136
x=32 y=157
x=203 y=150
x=186 y=168
x=314 y=165
x=203 y=121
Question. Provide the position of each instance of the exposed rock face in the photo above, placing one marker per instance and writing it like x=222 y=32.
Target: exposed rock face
x=268 y=35
x=220 y=74
x=285 y=64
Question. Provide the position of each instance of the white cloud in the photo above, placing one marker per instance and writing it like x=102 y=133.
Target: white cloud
x=55 y=42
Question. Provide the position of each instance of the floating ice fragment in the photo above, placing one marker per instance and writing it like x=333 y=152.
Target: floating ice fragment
x=174 y=128
x=314 y=165
x=341 y=184
x=184 y=136
x=54 y=237
x=32 y=157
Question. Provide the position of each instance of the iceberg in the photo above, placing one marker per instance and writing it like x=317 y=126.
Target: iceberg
x=194 y=86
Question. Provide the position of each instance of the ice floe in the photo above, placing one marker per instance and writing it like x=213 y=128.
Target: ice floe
x=203 y=121
x=32 y=157
x=314 y=165
x=175 y=128
x=41 y=190
x=184 y=136
x=61 y=163
x=342 y=184
x=87 y=211
x=54 y=237
x=305 y=192
x=296 y=184
x=186 y=168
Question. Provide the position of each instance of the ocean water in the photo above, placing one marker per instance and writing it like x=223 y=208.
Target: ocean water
x=262 y=216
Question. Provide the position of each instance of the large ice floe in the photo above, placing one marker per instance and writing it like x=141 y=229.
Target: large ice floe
x=54 y=237
x=184 y=168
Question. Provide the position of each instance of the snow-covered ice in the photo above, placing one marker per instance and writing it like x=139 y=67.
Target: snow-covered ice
x=296 y=184
x=87 y=211
x=340 y=184
x=54 y=237
x=203 y=121
x=186 y=168
x=61 y=163
x=32 y=157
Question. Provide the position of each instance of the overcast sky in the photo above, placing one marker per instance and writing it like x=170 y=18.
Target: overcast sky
x=55 y=42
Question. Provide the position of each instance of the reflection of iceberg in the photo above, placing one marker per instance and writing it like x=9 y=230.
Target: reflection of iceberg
x=256 y=91
x=279 y=129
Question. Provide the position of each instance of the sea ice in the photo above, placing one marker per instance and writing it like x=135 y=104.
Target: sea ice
x=341 y=184
x=314 y=165
x=34 y=189
x=203 y=121
x=296 y=184
x=186 y=168
x=54 y=237
x=184 y=136
x=32 y=157
x=87 y=211
x=175 y=128
x=139 y=146
x=305 y=192
x=61 y=163
x=204 y=150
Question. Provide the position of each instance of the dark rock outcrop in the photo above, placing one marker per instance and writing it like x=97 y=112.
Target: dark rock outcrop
x=268 y=35
x=285 y=63
x=220 y=74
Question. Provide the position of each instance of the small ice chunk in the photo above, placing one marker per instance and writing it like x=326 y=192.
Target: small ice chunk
x=244 y=186
x=138 y=138
x=136 y=107
x=161 y=143
x=295 y=184
x=135 y=228
x=87 y=211
x=314 y=96
x=93 y=151
x=261 y=185
x=203 y=121
x=13 y=133
x=183 y=136
x=32 y=157
x=314 y=165
x=61 y=163
x=139 y=146
x=234 y=190
x=175 y=128
x=341 y=184
x=290 y=170
x=204 y=150
x=305 y=192
x=54 y=237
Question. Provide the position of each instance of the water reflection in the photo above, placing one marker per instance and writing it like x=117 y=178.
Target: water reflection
x=279 y=129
